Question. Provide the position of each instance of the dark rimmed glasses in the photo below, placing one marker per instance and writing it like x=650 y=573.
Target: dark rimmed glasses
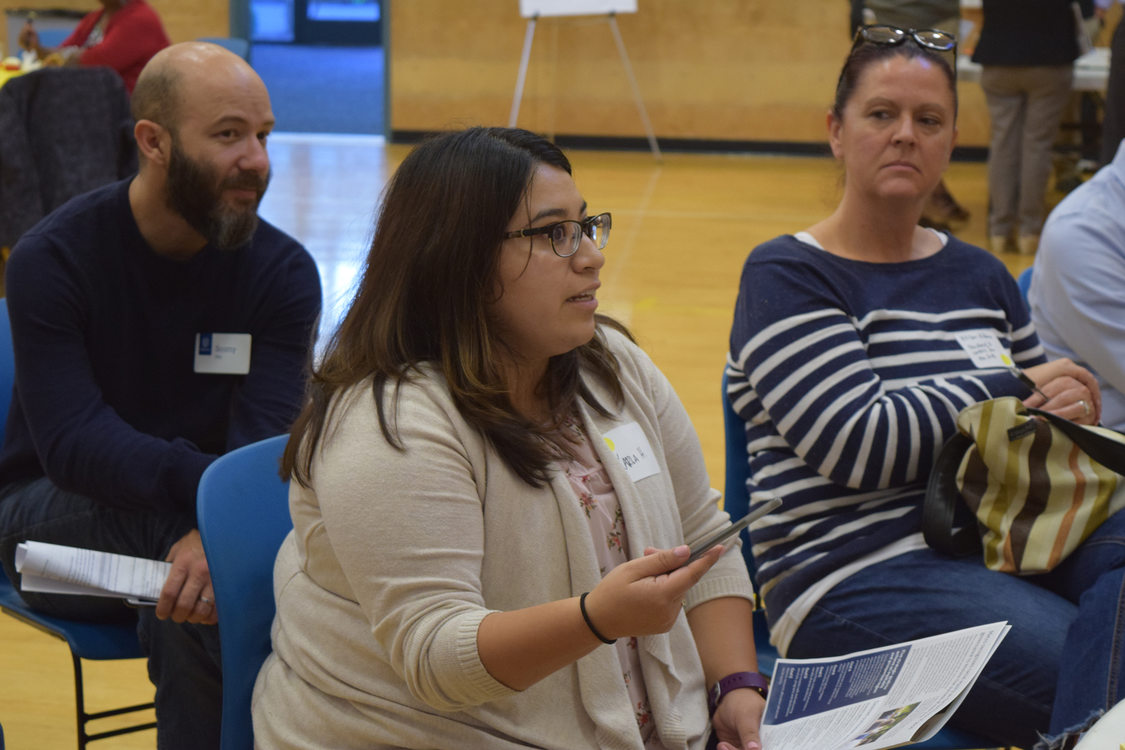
x=884 y=35
x=566 y=236
x=891 y=36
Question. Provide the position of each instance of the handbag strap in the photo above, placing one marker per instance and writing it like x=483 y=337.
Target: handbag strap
x=1105 y=450
x=943 y=501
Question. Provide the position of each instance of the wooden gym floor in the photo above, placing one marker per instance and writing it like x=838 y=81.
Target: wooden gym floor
x=682 y=229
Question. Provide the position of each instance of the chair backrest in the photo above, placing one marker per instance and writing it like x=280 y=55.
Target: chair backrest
x=63 y=131
x=243 y=515
x=1024 y=283
x=7 y=366
x=736 y=494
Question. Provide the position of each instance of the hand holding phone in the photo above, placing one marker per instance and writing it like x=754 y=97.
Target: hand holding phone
x=699 y=549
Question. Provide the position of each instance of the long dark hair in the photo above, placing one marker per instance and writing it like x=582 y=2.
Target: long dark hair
x=424 y=296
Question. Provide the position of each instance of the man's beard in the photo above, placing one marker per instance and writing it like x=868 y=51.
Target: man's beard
x=196 y=193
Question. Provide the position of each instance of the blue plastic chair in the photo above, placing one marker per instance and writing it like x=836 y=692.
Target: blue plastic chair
x=736 y=502
x=1024 y=283
x=87 y=640
x=243 y=514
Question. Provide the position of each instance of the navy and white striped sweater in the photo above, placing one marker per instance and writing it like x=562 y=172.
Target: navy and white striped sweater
x=850 y=376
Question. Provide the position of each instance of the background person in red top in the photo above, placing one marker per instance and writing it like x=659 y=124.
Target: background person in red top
x=122 y=34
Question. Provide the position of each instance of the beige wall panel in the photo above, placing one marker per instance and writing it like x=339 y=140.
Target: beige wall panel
x=182 y=20
x=191 y=20
x=757 y=70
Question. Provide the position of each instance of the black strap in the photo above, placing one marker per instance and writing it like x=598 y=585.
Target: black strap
x=1105 y=450
x=943 y=504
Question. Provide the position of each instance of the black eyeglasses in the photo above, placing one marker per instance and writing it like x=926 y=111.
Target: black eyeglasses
x=891 y=36
x=883 y=35
x=566 y=236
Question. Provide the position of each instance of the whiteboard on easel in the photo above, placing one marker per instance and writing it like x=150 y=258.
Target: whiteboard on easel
x=532 y=8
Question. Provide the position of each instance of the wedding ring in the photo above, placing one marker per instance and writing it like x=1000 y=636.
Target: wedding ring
x=1085 y=407
x=205 y=600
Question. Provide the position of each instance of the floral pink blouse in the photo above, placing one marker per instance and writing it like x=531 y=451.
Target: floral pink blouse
x=595 y=493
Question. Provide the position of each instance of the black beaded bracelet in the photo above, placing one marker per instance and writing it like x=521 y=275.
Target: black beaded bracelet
x=590 y=625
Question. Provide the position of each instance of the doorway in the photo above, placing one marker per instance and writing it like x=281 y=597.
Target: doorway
x=350 y=22
x=322 y=61
x=316 y=22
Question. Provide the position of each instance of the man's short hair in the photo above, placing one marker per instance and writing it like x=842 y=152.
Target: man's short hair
x=155 y=97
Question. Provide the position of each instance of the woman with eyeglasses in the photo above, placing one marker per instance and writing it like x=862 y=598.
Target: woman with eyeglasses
x=855 y=343
x=942 y=211
x=493 y=493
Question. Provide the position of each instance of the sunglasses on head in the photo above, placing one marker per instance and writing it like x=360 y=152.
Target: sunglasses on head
x=891 y=36
x=883 y=35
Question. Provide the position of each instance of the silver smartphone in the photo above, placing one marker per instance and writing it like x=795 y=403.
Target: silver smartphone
x=721 y=536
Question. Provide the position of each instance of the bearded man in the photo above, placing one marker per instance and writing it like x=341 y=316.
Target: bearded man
x=157 y=323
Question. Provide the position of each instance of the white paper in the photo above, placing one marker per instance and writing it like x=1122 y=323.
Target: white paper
x=529 y=8
x=58 y=569
x=876 y=699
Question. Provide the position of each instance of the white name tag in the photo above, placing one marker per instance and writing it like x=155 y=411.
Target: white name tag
x=984 y=349
x=631 y=447
x=222 y=353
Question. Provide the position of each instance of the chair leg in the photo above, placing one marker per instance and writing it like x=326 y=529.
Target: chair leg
x=84 y=718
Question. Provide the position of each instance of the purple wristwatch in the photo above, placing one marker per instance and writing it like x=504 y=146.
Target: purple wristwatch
x=752 y=680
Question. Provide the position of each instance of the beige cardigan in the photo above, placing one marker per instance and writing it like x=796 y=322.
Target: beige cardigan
x=396 y=557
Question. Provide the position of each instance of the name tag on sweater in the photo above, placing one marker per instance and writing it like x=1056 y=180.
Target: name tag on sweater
x=631 y=447
x=984 y=349
x=222 y=353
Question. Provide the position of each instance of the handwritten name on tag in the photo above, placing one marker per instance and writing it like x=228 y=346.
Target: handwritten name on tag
x=984 y=349
x=632 y=449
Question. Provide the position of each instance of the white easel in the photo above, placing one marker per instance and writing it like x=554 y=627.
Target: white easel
x=533 y=9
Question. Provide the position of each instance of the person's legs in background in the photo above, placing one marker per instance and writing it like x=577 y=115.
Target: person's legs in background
x=1007 y=107
x=1048 y=90
x=942 y=210
x=923 y=593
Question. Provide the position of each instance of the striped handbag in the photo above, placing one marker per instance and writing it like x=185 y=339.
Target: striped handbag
x=1036 y=485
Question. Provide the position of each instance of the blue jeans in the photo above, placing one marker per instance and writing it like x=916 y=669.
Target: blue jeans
x=1061 y=662
x=183 y=659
